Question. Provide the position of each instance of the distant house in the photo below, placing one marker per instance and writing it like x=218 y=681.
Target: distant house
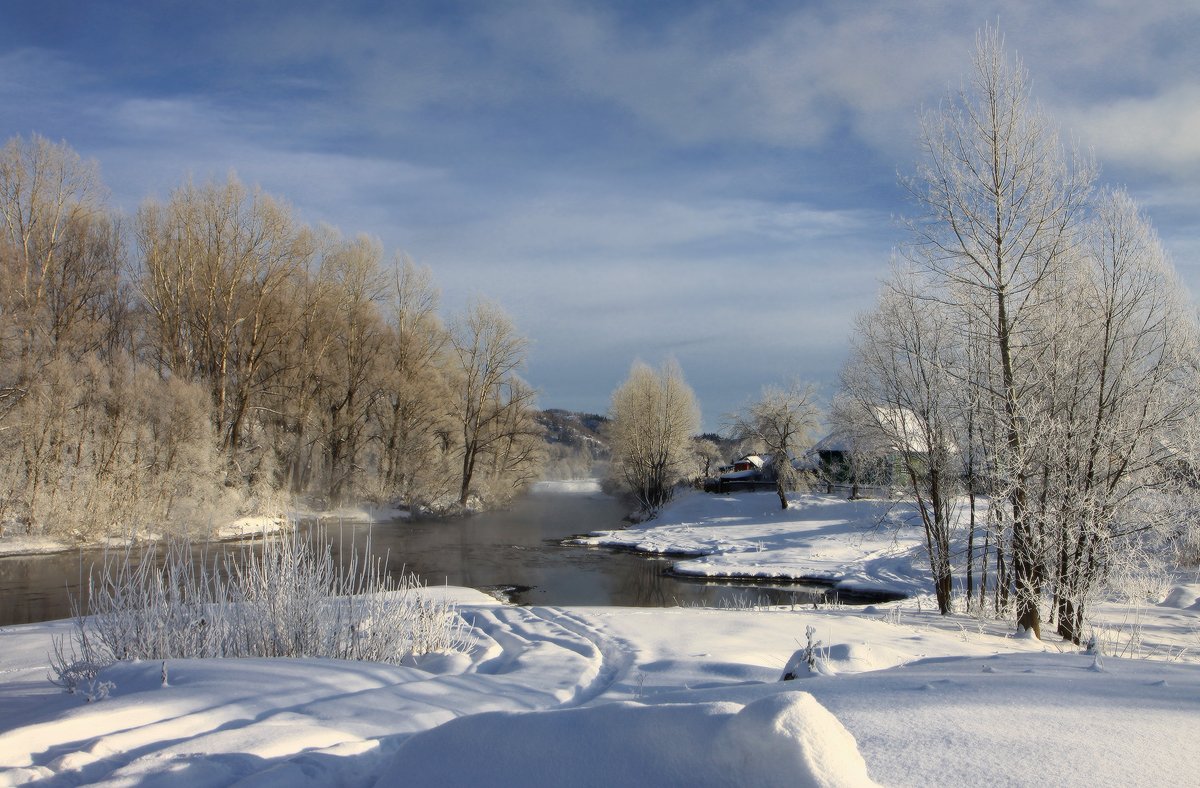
x=873 y=456
x=751 y=462
x=750 y=472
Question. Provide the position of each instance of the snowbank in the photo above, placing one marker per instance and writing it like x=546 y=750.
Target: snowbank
x=864 y=545
x=622 y=696
x=785 y=739
x=19 y=544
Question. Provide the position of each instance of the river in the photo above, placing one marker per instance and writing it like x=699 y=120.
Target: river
x=514 y=553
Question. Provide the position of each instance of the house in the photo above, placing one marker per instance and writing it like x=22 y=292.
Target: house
x=870 y=456
x=751 y=462
x=749 y=472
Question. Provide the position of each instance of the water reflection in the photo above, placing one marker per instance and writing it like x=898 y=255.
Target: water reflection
x=518 y=549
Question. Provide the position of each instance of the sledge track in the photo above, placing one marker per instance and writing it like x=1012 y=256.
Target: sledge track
x=530 y=658
x=594 y=661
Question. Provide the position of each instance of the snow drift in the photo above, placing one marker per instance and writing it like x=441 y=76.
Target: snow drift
x=783 y=739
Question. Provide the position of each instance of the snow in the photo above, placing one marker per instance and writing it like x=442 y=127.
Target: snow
x=784 y=739
x=851 y=545
x=22 y=544
x=250 y=527
x=566 y=486
x=623 y=696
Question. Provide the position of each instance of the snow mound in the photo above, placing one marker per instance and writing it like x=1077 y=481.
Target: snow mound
x=783 y=739
x=791 y=739
x=798 y=667
x=1183 y=597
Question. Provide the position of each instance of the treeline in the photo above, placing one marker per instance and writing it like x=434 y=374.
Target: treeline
x=212 y=355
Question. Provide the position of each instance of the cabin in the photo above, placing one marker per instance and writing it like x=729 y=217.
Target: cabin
x=751 y=463
x=751 y=472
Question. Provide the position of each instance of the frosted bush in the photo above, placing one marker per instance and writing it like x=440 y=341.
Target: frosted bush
x=292 y=599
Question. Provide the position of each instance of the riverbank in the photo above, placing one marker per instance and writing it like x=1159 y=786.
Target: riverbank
x=257 y=525
x=13 y=545
x=552 y=695
x=865 y=546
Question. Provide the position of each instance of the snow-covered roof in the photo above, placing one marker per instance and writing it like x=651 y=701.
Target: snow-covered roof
x=897 y=429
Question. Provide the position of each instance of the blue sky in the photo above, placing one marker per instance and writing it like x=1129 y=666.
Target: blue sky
x=711 y=181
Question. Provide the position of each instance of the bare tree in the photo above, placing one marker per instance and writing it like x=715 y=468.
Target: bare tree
x=900 y=396
x=487 y=400
x=50 y=202
x=346 y=391
x=653 y=415
x=410 y=408
x=217 y=261
x=780 y=424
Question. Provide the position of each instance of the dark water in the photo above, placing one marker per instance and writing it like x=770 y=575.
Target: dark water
x=514 y=553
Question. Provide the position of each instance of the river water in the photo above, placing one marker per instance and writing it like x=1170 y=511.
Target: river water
x=515 y=554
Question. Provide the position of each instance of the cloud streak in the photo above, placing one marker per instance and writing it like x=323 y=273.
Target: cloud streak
x=711 y=181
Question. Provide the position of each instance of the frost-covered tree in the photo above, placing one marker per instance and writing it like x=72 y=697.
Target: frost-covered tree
x=900 y=397
x=780 y=424
x=654 y=415
x=1038 y=342
x=999 y=206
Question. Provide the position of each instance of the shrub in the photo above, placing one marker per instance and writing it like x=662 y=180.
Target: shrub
x=289 y=599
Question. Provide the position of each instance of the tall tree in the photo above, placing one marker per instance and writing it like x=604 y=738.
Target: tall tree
x=410 y=408
x=486 y=351
x=1000 y=205
x=58 y=240
x=347 y=387
x=217 y=261
x=654 y=416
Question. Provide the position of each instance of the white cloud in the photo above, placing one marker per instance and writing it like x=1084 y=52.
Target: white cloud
x=1160 y=131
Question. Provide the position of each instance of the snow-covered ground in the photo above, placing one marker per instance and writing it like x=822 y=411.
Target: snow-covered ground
x=627 y=696
x=853 y=545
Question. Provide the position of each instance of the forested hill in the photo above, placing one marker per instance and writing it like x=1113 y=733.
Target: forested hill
x=576 y=443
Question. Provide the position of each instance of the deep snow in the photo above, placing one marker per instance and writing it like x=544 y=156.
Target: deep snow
x=604 y=696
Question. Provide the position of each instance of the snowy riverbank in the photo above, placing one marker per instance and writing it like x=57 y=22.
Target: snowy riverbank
x=12 y=544
x=864 y=545
x=549 y=696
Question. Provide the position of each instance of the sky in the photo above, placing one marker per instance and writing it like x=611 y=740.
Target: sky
x=714 y=182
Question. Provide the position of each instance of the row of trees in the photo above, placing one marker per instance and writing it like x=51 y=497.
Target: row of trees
x=1032 y=346
x=213 y=352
